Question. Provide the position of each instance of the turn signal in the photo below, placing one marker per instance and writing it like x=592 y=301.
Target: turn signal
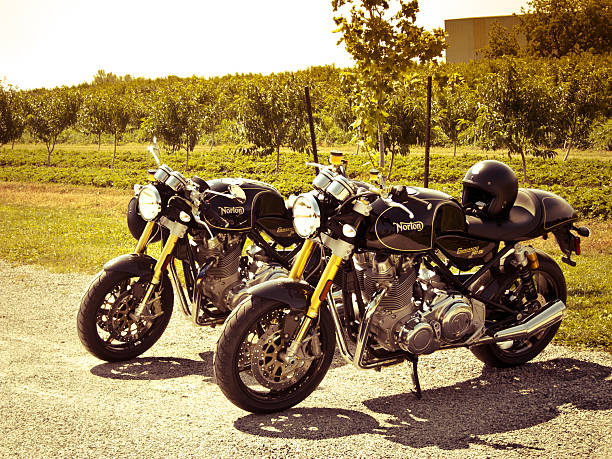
x=335 y=158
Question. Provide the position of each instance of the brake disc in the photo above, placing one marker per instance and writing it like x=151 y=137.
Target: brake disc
x=268 y=365
x=120 y=325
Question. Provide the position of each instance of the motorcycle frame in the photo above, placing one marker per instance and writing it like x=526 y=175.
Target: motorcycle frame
x=357 y=359
x=166 y=261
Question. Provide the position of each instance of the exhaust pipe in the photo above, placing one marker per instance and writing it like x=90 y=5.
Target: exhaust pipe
x=552 y=313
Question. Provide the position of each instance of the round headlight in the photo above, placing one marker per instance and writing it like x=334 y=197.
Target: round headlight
x=149 y=202
x=306 y=215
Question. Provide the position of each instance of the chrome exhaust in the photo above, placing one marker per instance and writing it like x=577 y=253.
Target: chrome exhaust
x=552 y=313
x=358 y=357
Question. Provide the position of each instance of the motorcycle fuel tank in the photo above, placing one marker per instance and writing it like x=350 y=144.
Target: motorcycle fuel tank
x=411 y=220
x=262 y=204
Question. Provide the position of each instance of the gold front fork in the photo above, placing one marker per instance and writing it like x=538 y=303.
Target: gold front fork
x=320 y=293
x=159 y=268
x=144 y=237
x=301 y=260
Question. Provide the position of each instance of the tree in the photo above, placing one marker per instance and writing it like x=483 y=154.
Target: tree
x=406 y=113
x=579 y=90
x=177 y=115
x=214 y=112
x=12 y=119
x=453 y=105
x=265 y=116
x=516 y=109
x=118 y=113
x=502 y=42
x=50 y=112
x=91 y=115
x=383 y=41
x=555 y=28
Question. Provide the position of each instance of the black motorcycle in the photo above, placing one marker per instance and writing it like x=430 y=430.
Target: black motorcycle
x=417 y=272
x=227 y=235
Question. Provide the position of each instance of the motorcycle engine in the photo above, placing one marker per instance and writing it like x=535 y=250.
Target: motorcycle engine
x=224 y=275
x=231 y=273
x=420 y=325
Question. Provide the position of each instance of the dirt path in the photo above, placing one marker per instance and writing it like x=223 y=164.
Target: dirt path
x=58 y=401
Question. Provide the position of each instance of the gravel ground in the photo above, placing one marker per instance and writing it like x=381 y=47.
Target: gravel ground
x=56 y=400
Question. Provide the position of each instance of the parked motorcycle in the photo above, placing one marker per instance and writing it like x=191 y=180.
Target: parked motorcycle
x=417 y=272
x=228 y=234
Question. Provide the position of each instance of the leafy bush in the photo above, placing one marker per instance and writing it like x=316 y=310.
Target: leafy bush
x=601 y=135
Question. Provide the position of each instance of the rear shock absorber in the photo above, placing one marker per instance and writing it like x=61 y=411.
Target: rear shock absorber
x=527 y=261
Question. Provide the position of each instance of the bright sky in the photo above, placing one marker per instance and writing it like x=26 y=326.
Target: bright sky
x=64 y=42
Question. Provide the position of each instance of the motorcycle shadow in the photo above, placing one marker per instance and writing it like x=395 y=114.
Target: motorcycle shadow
x=157 y=368
x=452 y=417
x=308 y=423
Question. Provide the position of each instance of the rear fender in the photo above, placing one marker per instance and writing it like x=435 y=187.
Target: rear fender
x=295 y=294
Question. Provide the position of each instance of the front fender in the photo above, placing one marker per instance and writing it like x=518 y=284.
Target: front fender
x=139 y=264
x=295 y=294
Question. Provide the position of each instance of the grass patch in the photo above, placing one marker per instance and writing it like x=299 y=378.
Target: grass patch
x=62 y=239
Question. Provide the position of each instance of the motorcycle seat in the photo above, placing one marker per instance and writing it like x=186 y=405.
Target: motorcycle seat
x=524 y=219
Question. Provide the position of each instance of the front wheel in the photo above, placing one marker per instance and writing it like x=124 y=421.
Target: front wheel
x=550 y=285
x=250 y=365
x=104 y=321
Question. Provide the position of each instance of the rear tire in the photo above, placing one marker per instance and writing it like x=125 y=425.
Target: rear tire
x=248 y=363
x=550 y=283
x=103 y=321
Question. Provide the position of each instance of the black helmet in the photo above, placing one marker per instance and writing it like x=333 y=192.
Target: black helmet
x=136 y=223
x=491 y=184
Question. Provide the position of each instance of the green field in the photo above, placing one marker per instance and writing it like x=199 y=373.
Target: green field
x=71 y=216
x=586 y=184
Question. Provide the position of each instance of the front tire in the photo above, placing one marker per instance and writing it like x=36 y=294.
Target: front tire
x=550 y=285
x=104 y=324
x=249 y=365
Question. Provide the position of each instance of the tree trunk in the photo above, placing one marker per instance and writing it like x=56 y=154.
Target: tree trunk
x=212 y=141
x=381 y=147
x=454 y=148
x=427 y=133
x=391 y=164
x=99 y=140
x=187 y=160
x=13 y=144
x=524 y=167
x=277 y=158
x=114 y=152
x=568 y=150
x=50 y=147
x=571 y=140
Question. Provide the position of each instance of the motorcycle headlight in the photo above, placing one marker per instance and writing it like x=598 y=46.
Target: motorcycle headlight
x=306 y=215
x=149 y=202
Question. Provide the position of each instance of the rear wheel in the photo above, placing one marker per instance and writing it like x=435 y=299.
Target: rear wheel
x=104 y=324
x=550 y=285
x=250 y=364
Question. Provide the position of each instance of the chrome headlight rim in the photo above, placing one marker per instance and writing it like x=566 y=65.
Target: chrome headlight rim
x=149 y=202
x=306 y=215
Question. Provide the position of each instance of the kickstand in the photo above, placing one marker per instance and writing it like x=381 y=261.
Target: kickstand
x=415 y=376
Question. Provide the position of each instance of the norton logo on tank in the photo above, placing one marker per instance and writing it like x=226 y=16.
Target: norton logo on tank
x=231 y=210
x=409 y=226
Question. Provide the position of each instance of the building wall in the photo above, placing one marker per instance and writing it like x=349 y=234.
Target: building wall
x=466 y=36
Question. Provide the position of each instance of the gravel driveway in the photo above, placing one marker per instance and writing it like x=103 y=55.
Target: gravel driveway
x=56 y=400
